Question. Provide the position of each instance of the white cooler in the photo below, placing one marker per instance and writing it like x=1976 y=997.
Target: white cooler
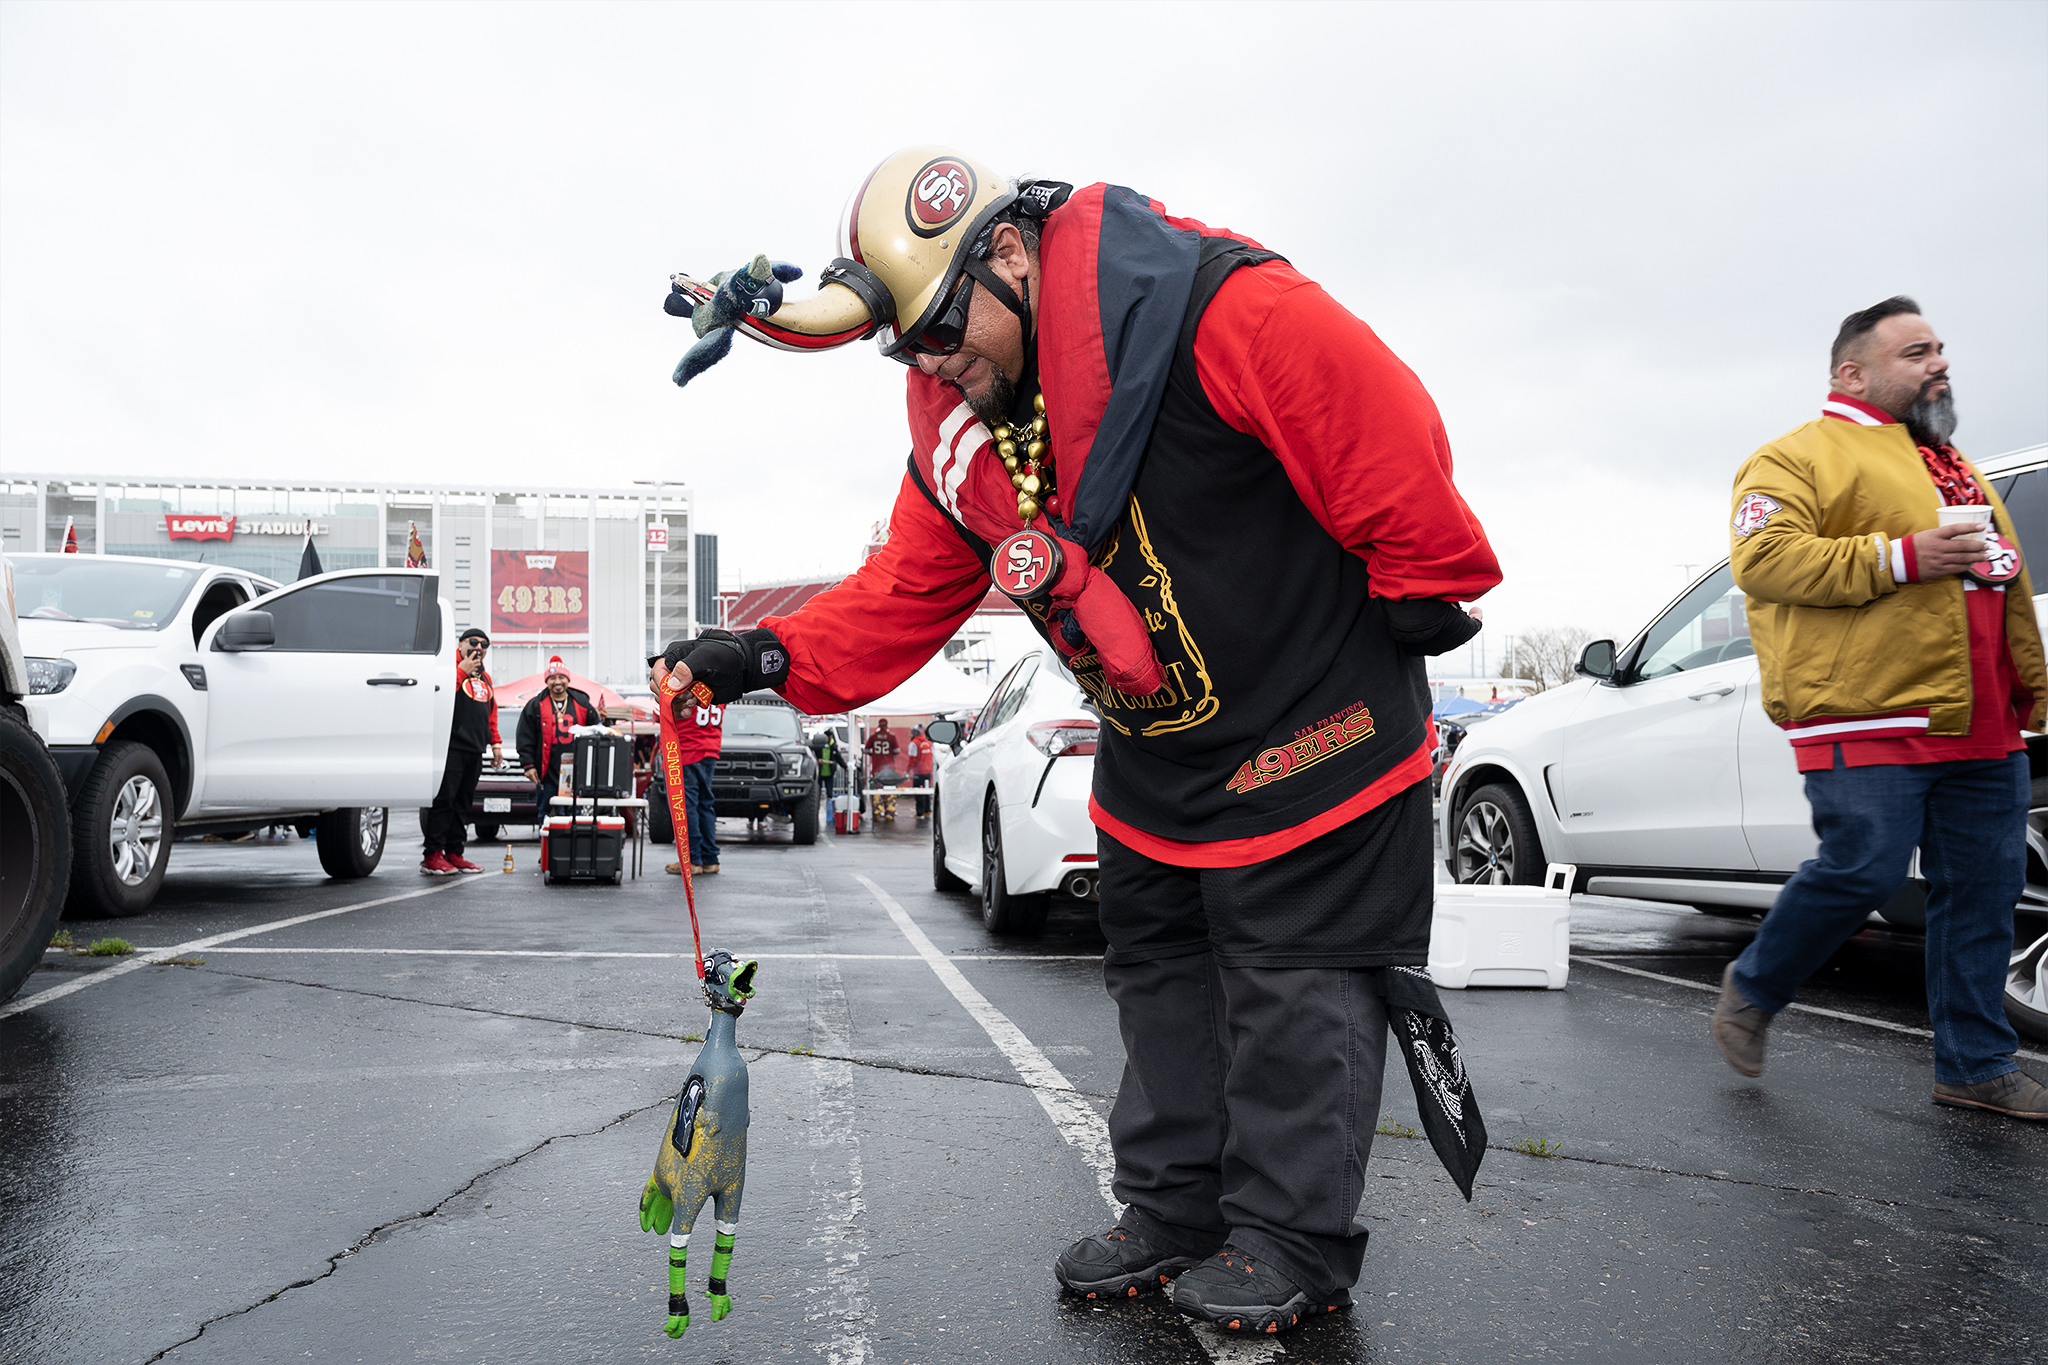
x=1504 y=935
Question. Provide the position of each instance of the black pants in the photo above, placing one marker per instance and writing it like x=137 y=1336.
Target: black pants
x=446 y=823
x=1255 y=1037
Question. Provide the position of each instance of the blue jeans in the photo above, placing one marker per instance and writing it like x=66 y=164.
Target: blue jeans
x=1969 y=819
x=703 y=808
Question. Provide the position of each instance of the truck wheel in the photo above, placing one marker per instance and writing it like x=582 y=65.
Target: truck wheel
x=1003 y=912
x=35 y=851
x=122 y=827
x=942 y=876
x=1494 y=842
x=351 y=841
x=487 y=832
x=2026 y=991
x=805 y=831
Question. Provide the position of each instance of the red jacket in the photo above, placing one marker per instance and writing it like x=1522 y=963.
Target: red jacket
x=1375 y=470
x=1282 y=362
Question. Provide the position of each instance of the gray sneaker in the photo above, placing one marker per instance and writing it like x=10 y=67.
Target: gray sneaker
x=2015 y=1095
x=1738 y=1027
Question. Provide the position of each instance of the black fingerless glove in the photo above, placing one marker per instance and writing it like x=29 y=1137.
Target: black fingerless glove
x=1429 y=625
x=731 y=665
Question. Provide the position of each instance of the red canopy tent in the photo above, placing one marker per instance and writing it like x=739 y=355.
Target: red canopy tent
x=517 y=693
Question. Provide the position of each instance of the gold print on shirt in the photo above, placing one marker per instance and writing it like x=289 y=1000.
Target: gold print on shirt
x=1189 y=693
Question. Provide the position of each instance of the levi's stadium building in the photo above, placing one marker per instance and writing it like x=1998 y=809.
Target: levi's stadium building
x=600 y=576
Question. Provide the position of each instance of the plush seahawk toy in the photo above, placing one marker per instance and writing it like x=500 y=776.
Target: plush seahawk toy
x=703 y=1152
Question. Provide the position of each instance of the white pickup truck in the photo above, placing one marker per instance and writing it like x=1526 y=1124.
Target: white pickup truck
x=185 y=698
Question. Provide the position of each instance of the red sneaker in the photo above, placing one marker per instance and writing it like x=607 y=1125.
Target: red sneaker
x=437 y=865
x=462 y=864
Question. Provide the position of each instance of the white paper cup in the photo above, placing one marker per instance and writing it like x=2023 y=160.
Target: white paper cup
x=1974 y=512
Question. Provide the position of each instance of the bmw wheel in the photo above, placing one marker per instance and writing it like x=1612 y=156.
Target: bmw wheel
x=1495 y=841
x=2026 y=990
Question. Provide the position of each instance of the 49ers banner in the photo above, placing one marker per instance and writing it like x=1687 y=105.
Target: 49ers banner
x=540 y=594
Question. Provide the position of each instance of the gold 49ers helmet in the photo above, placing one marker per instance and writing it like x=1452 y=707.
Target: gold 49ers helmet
x=903 y=243
x=903 y=236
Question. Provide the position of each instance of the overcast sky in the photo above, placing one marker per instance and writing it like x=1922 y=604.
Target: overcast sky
x=430 y=241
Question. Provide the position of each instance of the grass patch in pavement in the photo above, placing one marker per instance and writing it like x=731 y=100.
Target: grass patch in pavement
x=1389 y=1128
x=110 y=947
x=1549 y=1147
x=61 y=939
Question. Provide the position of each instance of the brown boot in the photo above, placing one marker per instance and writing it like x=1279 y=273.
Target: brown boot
x=1738 y=1027
x=2015 y=1095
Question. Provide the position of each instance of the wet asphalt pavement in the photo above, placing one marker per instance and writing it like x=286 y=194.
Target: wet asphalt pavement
x=417 y=1131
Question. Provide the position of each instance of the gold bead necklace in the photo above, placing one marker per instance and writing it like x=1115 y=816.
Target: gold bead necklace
x=1025 y=454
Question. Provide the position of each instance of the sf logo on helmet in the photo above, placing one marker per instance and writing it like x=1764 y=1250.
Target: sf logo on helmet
x=939 y=194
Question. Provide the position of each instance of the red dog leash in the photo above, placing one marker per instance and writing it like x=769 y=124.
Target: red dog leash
x=678 y=802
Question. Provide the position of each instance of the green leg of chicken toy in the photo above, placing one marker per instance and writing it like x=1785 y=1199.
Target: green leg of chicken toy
x=703 y=1151
x=678 y=1283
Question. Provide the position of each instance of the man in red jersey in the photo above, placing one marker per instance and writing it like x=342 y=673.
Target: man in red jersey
x=1230 y=507
x=920 y=751
x=885 y=767
x=700 y=734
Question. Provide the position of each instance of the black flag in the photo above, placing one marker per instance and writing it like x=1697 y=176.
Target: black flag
x=309 y=562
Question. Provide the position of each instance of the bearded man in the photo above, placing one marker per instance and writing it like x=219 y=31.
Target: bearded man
x=546 y=732
x=1230 y=508
x=1901 y=656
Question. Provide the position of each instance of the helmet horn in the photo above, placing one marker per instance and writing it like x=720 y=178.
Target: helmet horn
x=831 y=317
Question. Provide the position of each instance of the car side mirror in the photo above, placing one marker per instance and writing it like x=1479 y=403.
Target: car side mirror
x=1598 y=660
x=246 y=630
x=946 y=732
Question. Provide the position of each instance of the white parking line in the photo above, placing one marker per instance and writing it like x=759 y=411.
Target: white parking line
x=1077 y=1122
x=1803 y=1009
x=840 y=1305
x=150 y=957
x=577 y=952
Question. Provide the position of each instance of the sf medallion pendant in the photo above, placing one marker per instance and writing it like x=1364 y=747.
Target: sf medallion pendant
x=1027 y=565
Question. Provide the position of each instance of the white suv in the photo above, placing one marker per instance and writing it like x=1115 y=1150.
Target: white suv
x=183 y=698
x=1660 y=776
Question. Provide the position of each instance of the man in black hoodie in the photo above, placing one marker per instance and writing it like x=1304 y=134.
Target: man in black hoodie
x=446 y=822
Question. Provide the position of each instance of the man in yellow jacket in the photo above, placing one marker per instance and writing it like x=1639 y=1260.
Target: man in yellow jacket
x=1899 y=652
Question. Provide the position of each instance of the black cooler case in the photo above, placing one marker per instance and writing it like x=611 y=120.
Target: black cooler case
x=604 y=765
x=585 y=848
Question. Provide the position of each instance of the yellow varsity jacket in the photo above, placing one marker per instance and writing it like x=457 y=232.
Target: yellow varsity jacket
x=1816 y=516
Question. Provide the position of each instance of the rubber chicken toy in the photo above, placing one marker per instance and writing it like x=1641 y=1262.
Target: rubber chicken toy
x=703 y=1152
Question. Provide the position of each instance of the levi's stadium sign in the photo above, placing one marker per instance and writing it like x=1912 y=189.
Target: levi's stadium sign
x=181 y=527
x=199 y=528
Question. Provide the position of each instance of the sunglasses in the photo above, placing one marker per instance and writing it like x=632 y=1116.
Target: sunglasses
x=474 y=649
x=945 y=332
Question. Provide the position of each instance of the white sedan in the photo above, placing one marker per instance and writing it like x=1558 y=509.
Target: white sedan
x=1658 y=774
x=1010 y=805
